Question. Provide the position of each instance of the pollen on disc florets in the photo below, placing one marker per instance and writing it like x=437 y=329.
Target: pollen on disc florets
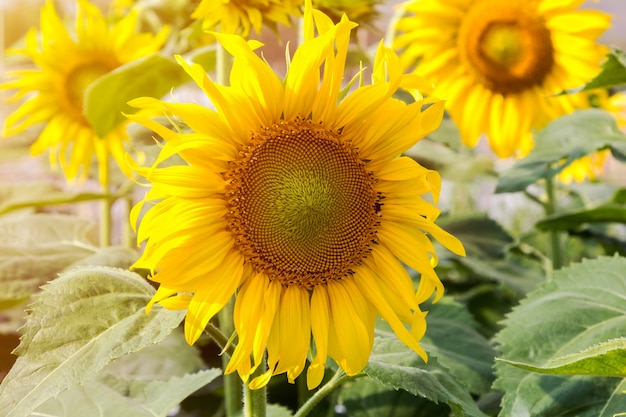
x=301 y=205
x=506 y=44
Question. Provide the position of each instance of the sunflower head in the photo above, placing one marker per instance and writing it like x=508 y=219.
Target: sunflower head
x=65 y=64
x=361 y=11
x=501 y=64
x=295 y=196
x=239 y=16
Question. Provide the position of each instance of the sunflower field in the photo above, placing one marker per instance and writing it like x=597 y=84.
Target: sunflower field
x=325 y=208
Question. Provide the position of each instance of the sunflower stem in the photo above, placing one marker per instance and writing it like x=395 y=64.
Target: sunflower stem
x=232 y=382
x=555 y=236
x=255 y=400
x=223 y=64
x=127 y=233
x=105 y=206
x=339 y=378
x=303 y=391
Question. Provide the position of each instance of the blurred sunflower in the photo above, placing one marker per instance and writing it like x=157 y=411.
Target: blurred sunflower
x=239 y=16
x=499 y=62
x=299 y=202
x=65 y=68
x=186 y=33
x=362 y=11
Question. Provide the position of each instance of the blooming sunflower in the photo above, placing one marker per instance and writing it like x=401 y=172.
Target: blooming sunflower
x=499 y=62
x=298 y=201
x=238 y=16
x=65 y=67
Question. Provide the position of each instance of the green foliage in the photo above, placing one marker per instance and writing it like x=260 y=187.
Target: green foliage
x=613 y=72
x=610 y=212
x=109 y=396
x=81 y=322
x=394 y=365
x=106 y=97
x=365 y=397
x=561 y=142
x=559 y=326
x=453 y=339
x=605 y=359
x=150 y=382
x=34 y=248
x=34 y=195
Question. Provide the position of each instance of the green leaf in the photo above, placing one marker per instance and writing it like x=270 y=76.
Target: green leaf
x=34 y=248
x=149 y=382
x=113 y=256
x=81 y=322
x=393 y=364
x=561 y=142
x=582 y=306
x=275 y=410
x=20 y=196
x=171 y=357
x=107 y=97
x=109 y=396
x=604 y=359
x=482 y=237
x=613 y=72
x=452 y=338
x=365 y=397
x=605 y=213
x=205 y=56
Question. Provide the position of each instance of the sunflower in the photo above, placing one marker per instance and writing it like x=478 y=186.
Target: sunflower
x=238 y=16
x=361 y=11
x=64 y=68
x=500 y=63
x=294 y=197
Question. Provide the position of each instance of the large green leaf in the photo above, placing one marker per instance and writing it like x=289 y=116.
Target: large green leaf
x=393 y=364
x=581 y=307
x=81 y=322
x=108 y=396
x=561 y=142
x=482 y=237
x=365 y=397
x=107 y=97
x=34 y=248
x=453 y=339
x=605 y=213
x=149 y=382
x=605 y=359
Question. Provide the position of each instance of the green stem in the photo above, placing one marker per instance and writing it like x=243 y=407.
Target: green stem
x=303 y=391
x=219 y=338
x=255 y=400
x=105 y=207
x=555 y=237
x=223 y=64
x=127 y=233
x=339 y=378
x=232 y=382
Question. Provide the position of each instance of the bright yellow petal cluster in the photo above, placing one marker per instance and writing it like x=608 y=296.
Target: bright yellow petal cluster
x=239 y=16
x=65 y=66
x=298 y=201
x=500 y=64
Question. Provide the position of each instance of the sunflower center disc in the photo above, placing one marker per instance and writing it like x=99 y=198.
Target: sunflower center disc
x=302 y=207
x=507 y=45
x=77 y=82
